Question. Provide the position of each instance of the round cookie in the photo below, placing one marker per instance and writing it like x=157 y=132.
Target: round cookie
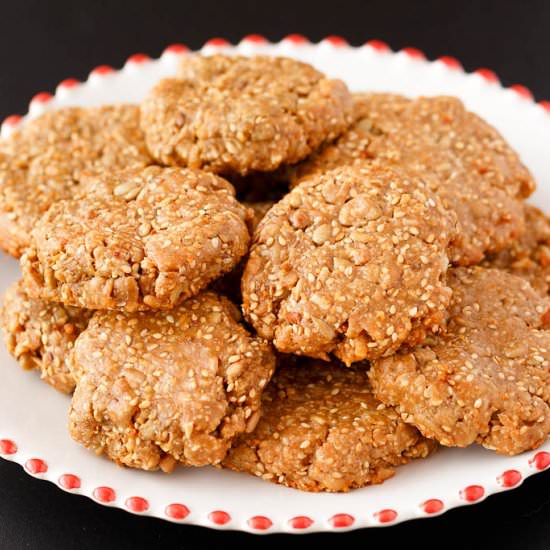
x=159 y=388
x=487 y=378
x=44 y=161
x=140 y=239
x=351 y=262
x=463 y=159
x=241 y=114
x=322 y=430
x=40 y=335
x=529 y=257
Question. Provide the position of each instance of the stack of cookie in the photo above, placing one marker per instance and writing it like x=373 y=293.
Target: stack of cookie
x=393 y=284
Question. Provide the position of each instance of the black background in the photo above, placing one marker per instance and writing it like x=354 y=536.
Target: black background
x=44 y=42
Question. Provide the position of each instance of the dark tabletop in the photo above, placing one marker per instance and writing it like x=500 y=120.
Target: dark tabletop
x=43 y=42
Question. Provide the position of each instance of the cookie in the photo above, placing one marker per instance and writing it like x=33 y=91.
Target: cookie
x=462 y=158
x=322 y=430
x=529 y=257
x=44 y=161
x=40 y=335
x=487 y=378
x=241 y=114
x=140 y=239
x=351 y=262
x=374 y=115
x=156 y=389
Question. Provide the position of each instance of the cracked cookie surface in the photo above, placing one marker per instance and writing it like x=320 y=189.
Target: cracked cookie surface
x=156 y=389
x=139 y=239
x=322 y=430
x=487 y=378
x=45 y=160
x=351 y=262
x=40 y=335
x=239 y=114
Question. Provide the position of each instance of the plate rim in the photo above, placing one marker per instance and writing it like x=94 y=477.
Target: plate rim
x=535 y=461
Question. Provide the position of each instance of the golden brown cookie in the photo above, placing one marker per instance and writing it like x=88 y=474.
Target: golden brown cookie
x=464 y=160
x=41 y=334
x=241 y=114
x=159 y=388
x=322 y=430
x=141 y=239
x=44 y=161
x=486 y=379
x=529 y=257
x=351 y=262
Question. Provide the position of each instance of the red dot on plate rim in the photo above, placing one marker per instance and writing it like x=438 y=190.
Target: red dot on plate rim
x=415 y=53
x=341 y=520
x=541 y=460
x=104 y=494
x=509 y=478
x=103 y=70
x=176 y=48
x=217 y=42
x=255 y=38
x=296 y=39
x=137 y=504
x=488 y=75
x=300 y=522
x=472 y=493
x=545 y=105
x=378 y=45
x=177 y=511
x=432 y=506
x=42 y=97
x=386 y=516
x=336 y=40
x=7 y=446
x=522 y=91
x=138 y=58
x=261 y=523
x=36 y=466
x=69 y=482
x=219 y=517
x=451 y=62
x=68 y=83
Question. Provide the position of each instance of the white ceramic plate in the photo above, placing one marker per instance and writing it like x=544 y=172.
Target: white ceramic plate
x=33 y=417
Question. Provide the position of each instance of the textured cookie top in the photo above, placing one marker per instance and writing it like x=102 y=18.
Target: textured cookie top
x=487 y=378
x=374 y=115
x=141 y=239
x=239 y=114
x=159 y=388
x=464 y=160
x=45 y=160
x=41 y=334
x=351 y=262
x=529 y=257
x=322 y=430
